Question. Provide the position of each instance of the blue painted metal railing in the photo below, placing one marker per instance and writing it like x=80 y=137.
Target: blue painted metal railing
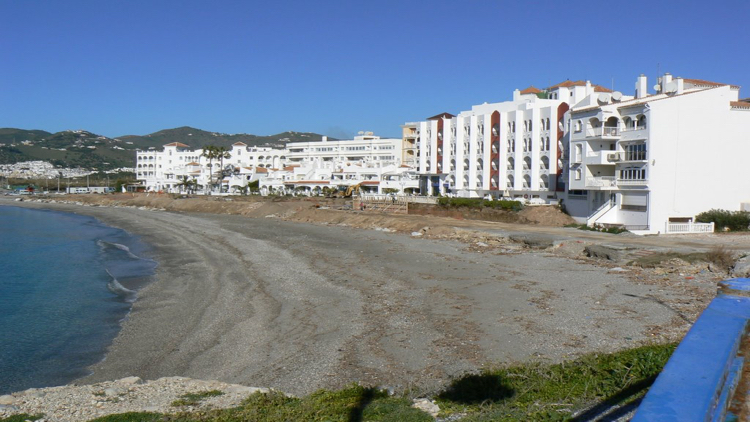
x=698 y=382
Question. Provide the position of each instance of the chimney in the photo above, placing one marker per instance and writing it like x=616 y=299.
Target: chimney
x=680 y=85
x=664 y=81
x=324 y=139
x=641 y=86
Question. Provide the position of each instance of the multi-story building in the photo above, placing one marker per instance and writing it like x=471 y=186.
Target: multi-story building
x=410 y=138
x=300 y=166
x=656 y=160
x=508 y=149
x=363 y=149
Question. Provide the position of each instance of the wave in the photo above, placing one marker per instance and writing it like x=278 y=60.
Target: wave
x=115 y=287
x=103 y=244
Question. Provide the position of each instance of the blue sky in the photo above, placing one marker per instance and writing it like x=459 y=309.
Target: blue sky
x=119 y=67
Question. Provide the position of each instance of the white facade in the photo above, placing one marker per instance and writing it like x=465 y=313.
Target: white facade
x=654 y=159
x=509 y=149
x=302 y=166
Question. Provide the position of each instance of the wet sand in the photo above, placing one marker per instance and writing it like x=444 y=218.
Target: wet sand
x=298 y=307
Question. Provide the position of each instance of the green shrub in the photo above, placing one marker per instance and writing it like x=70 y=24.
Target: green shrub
x=479 y=203
x=726 y=220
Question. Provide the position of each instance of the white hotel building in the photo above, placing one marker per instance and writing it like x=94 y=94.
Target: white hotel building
x=651 y=163
x=301 y=165
x=509 y=149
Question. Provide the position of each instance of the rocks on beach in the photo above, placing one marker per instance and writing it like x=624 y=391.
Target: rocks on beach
x=73 y=403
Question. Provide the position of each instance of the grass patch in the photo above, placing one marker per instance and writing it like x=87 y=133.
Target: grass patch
x=478 y=203
x=192 y=399
x=21 y=417
x=553 y=392
x=354 y=403
x=530 y=392
x=131 y=417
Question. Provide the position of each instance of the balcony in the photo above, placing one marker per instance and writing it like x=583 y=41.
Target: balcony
x=631 y=182
x=601 y=182
x=600 y=157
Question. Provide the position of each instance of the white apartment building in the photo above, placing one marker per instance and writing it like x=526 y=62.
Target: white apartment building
x=301 y=165
x=509 y=149
x=365 y=149
x=656 y=160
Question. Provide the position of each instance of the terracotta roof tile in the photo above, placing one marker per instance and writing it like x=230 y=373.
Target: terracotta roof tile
x=370 y=182
x=531 y=90
x=569 y=83
x=702 y=82
x=239 y=144
x=177 y=144
x=739 y=104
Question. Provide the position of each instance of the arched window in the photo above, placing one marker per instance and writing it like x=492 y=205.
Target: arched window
x=548 y=123
x=578 y=126
x=641 y=122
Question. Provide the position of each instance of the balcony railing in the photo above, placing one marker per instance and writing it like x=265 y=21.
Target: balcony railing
x=604 y=132
x=631 y=182
x=604 y=181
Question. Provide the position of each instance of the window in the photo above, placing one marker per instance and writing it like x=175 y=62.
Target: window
x=633 y=173
x=635 y=152
x=578 y=126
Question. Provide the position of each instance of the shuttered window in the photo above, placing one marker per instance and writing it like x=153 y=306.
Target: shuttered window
x=635 y=201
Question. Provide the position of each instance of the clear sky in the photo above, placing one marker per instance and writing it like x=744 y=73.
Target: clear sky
x=118 y=67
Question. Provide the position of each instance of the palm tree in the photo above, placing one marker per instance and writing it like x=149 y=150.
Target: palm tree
x=209 y=151
x=221 y=154
x=187 y=184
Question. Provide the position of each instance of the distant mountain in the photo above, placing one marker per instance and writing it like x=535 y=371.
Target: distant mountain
x=81 y=148
x=198 y=138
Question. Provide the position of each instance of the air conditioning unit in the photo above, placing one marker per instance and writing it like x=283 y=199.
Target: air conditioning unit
x=613 y=157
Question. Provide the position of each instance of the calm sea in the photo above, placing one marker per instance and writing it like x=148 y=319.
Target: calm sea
x=66 y=283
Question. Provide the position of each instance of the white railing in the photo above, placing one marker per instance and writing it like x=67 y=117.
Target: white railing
x=689 y=227
x=630 y=182
x=605 y=181
x=603 y=131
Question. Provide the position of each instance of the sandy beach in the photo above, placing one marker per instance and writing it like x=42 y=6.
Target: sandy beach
x=298 y=307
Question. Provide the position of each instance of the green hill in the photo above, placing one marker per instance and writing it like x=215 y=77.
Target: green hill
x=81 y=148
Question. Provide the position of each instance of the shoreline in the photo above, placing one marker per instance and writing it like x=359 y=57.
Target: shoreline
x=297 y=307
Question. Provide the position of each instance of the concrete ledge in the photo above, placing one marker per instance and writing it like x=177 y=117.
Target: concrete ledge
x=698 y=382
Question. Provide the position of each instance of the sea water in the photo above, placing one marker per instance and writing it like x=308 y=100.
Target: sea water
x=66 y=283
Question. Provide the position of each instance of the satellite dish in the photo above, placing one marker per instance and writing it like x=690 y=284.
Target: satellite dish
x=671 y=87
x=657 y=87
x=617 y=96
x=603 y=98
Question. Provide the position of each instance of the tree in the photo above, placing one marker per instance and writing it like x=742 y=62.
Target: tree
x=209 y=151
x=186 y=184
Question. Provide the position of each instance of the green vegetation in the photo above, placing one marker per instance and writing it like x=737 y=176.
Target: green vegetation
x=480 y=203
x=132 y=417
x=598 y=228
x=89 y=150
x=191 y=399
x=724 y=220
x=530 y=392
x=21 y=417
x=553 y=392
